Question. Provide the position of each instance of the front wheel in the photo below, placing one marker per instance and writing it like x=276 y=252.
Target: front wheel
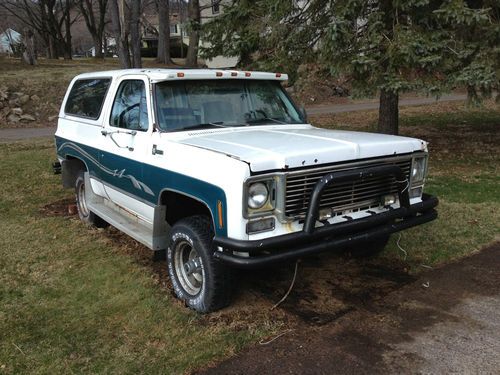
x=200 y=281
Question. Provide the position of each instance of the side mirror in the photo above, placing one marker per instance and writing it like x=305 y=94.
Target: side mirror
x=303 y=113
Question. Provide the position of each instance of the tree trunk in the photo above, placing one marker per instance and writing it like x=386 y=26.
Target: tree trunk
x=120 y=34
x=163 y=55
x=67 y=26
x=29 y=53
x=135 y=33
x=53 y=53
x=388 y=115
x=97 y=46
x=194 y=36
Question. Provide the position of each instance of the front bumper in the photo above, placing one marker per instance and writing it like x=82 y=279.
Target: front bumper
x=314 y=239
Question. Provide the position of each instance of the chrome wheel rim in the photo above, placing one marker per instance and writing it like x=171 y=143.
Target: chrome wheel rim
x=82 y=203
x=188 y=267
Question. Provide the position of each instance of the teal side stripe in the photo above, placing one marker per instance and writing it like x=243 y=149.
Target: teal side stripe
x=142 y=180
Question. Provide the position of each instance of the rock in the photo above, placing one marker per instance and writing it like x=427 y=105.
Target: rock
x=27 y=118
x=52 y=118
x=13 y=102
x=17 y=111
x=3 y=94
x=1 y=105
x=35 y=98
x=24 y=99
x=13 y=118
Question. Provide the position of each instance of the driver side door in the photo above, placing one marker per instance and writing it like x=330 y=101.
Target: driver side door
x=128 y=131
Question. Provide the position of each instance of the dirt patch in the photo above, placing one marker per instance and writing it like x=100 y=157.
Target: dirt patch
x=64 y=207
x=395 y=333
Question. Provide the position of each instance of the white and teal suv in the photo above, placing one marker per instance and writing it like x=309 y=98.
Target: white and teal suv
x=221 y=169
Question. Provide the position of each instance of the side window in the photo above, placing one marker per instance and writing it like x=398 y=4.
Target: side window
x=87 y=97
x=130 y=110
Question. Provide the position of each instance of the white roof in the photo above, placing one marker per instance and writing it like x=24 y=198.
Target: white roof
x=158 y=75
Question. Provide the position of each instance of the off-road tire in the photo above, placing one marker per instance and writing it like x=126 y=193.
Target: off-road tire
x=87 y=216
x=369 y=248
x=216 y=287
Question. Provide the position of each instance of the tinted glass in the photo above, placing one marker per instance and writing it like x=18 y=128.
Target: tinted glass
x=130 y=110
x=87 y=97
x=185 y=104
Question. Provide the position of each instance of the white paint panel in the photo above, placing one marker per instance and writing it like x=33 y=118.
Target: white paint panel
x=132 y=205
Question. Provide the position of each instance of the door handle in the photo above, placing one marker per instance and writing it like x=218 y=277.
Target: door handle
x=156 y=151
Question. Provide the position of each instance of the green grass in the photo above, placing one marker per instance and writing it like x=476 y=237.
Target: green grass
x=70 y=302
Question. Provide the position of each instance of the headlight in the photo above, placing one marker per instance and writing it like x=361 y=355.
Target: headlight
x=418 y=170
x=257 y=195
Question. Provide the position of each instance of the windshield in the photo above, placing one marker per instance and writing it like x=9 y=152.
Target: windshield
x=192 y=104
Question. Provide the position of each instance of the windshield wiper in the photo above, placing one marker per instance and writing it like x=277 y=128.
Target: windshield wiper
x=218 y=124
x=265 y=119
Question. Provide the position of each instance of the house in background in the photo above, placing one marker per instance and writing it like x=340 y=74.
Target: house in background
x=8 y=39
x=209 y=10
x=179 y=39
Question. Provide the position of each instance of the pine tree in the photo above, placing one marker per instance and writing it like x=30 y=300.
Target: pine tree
x=387 y=46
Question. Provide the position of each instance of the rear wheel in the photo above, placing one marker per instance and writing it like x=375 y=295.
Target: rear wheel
x=87 y=216
x=198 y=280
x=369 y=248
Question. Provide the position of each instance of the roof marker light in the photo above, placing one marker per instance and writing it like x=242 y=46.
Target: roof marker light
x=180 y=74
x=218 y=74
x=248 y=74
x=234 y=74
x=278 y=75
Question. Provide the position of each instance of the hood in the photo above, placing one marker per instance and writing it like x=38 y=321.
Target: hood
x=290 y=146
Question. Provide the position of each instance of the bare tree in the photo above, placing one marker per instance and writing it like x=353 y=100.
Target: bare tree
x=95 y=19
x=51 y=19
x=194 y=35
x=120 y=32
x=135 y=33
x=163 y=55
x=29 y=53
x=125 y=20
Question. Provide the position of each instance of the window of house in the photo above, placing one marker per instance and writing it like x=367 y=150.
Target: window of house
x=173 y=29
x=87 y=97
x=130 y=110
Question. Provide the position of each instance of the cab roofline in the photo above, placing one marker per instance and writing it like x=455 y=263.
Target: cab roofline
x=159 y=75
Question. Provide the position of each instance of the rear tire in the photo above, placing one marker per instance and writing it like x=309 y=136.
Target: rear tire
x=87 y=216
x=369 y=248
x=203 y=283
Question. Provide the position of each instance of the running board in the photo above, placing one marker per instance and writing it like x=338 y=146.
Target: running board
x=155 y=236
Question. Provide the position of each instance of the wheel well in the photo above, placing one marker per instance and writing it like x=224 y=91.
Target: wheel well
x=70 y=169
x=180 y=206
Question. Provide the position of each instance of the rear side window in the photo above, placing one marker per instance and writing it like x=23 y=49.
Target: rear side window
x=87 y=97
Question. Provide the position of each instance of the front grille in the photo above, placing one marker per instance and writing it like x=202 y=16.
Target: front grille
x=353 y=195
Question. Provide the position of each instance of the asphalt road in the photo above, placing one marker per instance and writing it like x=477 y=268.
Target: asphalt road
x=14 y=134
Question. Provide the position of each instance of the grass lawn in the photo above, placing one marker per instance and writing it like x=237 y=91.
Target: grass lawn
x=75 y=299
x=72 y=301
